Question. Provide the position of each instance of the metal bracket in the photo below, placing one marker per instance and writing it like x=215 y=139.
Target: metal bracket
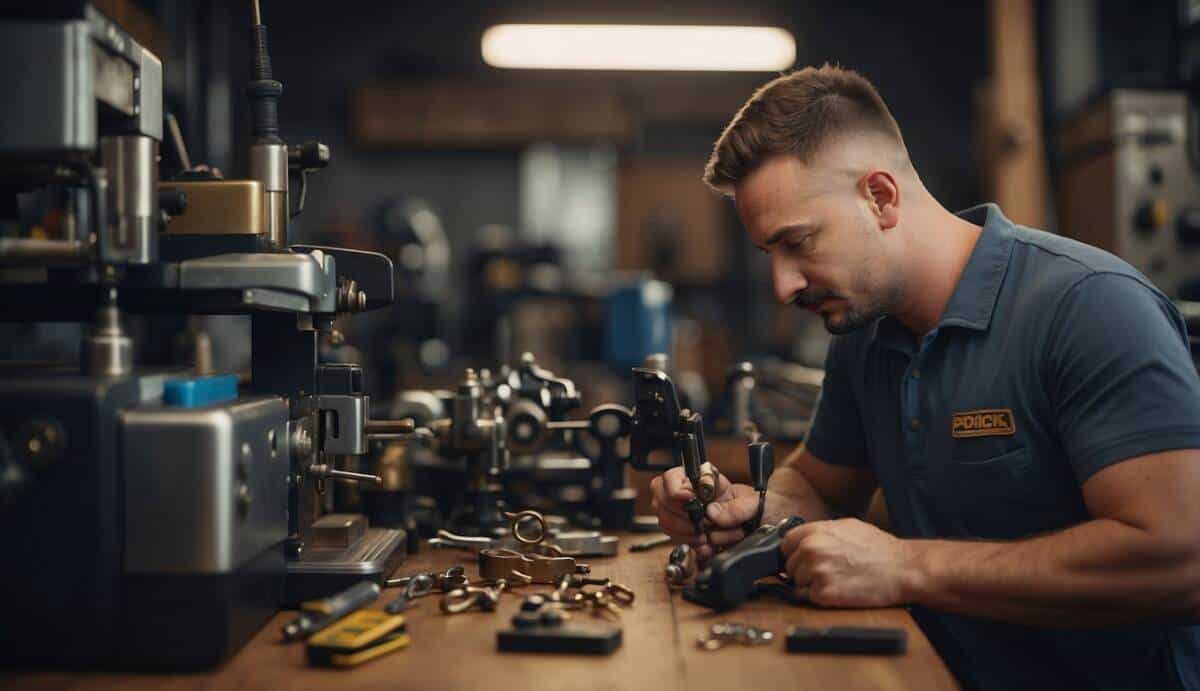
x=343 y=424
x=311 y=276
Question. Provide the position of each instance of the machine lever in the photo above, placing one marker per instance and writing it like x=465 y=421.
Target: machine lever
x=322 y=472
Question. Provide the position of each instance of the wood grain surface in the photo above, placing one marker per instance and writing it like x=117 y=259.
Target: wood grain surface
x=658 y=652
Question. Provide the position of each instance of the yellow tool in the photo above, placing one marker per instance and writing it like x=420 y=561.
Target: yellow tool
x=362 y=636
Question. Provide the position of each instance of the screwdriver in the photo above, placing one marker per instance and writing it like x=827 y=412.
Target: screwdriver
x=319 y=614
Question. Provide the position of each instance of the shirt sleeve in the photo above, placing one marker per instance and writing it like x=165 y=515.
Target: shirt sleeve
x=1119 y=374
x=836 y=435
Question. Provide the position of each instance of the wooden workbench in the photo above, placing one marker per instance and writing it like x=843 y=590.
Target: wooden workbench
x=658 y=652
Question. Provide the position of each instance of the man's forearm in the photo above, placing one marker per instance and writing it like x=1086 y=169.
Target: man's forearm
x=800 y=497
x=1097 y=573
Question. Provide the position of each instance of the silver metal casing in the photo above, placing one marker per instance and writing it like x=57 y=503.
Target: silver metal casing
x=56 y=73
x=205 y=488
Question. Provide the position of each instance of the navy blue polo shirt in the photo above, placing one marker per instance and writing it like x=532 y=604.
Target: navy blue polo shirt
x=1052 y=360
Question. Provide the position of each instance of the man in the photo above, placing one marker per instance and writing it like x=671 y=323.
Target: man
x=1027 y=405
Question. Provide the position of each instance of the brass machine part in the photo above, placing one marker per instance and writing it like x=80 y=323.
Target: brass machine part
x=501 y=564
x=338 y=530
x=219 y=207
x=706 y=488
x=401 y=426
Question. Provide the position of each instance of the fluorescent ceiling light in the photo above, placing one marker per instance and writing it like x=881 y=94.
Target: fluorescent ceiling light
x=639 y=47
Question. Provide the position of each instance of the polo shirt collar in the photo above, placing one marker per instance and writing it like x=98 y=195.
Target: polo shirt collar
x=974 y=299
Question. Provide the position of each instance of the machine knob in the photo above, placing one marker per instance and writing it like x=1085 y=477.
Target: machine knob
x=1188 y=226
x=308 y=156
x=1151 y=216
x=172 y=200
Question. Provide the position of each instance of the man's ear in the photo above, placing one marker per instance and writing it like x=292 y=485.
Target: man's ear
x=882 y=193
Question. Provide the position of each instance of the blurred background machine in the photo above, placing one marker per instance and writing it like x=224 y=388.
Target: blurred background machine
x=1130 y=184
x=156 y=517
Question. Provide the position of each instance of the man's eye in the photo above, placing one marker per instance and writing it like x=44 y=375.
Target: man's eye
x=801 y=244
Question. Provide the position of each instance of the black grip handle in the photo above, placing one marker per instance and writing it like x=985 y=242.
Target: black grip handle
x=728 y=579
x=762 y=464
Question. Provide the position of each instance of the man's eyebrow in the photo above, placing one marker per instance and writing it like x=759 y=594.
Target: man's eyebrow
x=776 y=236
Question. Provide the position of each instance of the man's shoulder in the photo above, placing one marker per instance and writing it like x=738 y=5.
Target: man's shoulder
x=1052 y=276
x=1046 y=265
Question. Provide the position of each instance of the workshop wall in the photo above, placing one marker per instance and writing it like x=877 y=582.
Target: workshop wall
x=927 y=59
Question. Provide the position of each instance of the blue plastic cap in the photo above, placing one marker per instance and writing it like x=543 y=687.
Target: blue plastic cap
x=193 y=393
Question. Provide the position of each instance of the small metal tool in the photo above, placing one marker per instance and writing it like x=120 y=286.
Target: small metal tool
x=483 y=598
x=453 y=577
x=422 y=584
x=681 y=565
x=720 y=635
x=660 y=541
x=621 y=594
x=600 y=603
x=417 y=586
x=319 y=614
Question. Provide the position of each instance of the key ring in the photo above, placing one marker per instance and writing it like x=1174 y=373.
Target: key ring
x=515 y=526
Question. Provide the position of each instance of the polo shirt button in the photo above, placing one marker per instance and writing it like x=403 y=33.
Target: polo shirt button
x=914 y=424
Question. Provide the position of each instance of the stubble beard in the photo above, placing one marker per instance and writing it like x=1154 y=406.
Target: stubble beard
x=880 y=300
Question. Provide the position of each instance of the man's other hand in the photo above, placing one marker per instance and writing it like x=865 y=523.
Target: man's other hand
x=847 y=563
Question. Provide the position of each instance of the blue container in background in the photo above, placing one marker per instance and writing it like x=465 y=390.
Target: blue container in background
x=639 y=322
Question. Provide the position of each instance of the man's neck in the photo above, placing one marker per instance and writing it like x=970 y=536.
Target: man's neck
x=938 y=250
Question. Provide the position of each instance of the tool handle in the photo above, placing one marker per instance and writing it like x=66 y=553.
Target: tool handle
x=345 y=602
x=730 y=576
x=762 y=464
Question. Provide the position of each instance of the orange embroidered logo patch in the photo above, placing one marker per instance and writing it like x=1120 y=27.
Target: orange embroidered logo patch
x=993 y=422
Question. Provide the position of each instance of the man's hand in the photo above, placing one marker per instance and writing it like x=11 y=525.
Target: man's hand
x=734 y=505
x=847 y=563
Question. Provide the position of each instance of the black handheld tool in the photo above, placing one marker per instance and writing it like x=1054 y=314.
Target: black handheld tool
x=729 y=578
x=660 y=423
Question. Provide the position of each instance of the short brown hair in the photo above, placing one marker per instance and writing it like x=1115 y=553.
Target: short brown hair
x=797 y=114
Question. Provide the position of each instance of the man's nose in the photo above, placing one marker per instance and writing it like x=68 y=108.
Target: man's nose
x=788 y=281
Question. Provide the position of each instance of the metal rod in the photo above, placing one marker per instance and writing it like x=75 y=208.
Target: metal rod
x=35 y=251
x=177 y=141
x=256 y=11
x=568 y=424
x=650 y=544
x=401 y=426
x=347 y=475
